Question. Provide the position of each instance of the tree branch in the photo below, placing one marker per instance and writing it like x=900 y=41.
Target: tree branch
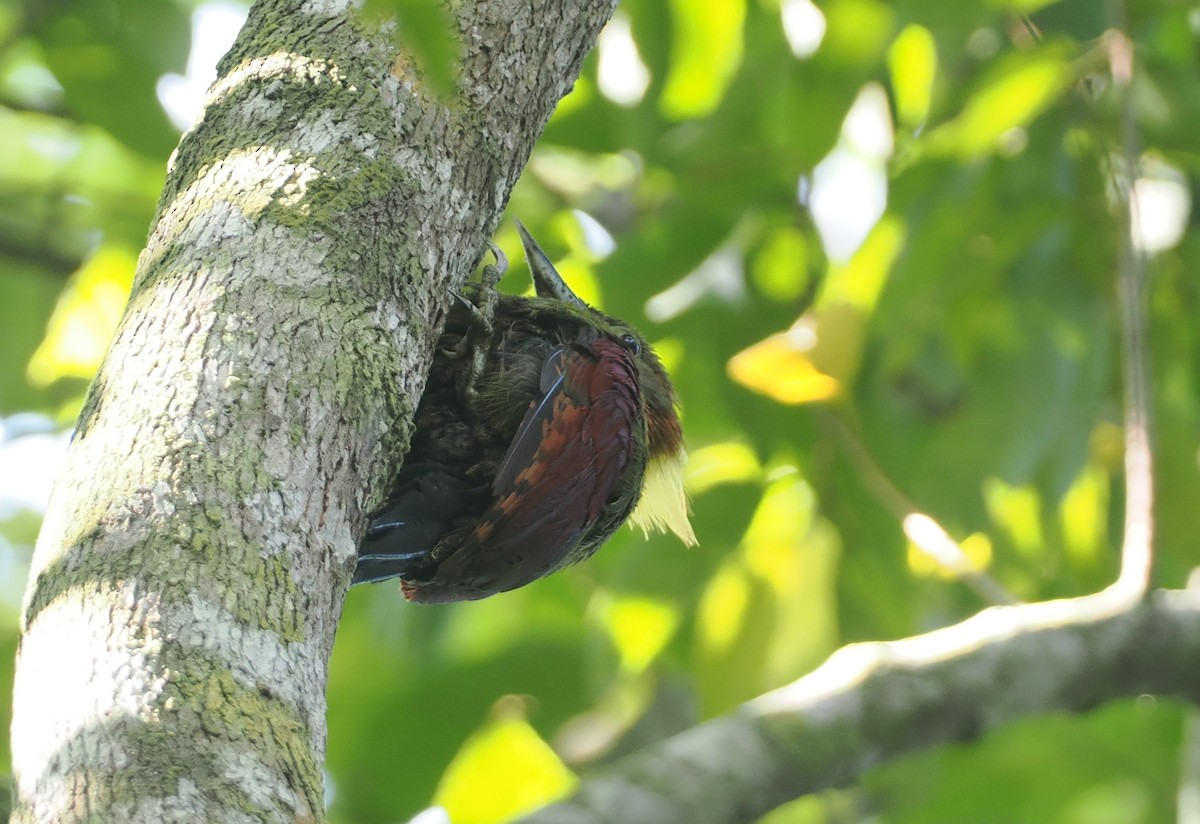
x=1137 y=557
x=871 y=702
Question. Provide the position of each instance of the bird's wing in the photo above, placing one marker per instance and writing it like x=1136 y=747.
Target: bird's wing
x=560 y=472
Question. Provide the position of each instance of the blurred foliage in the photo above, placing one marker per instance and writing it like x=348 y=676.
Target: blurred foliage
x=874 y=243
x=424 y=33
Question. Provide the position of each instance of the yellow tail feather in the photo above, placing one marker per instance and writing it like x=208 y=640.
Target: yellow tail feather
x=664 y=505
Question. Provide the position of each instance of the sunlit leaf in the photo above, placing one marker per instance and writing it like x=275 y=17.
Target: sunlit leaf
x=1016 y=511
x=780 y=268
x=720 y=463
x=1083 y=515
x=912 y=61
x=769 y=612
x=722 y=615
x=503 y=770
x=856 y=30
x=639 y=627
x=27 y=297
x=860 y=280
x=1026 y=86
x=426 y=34
x=85 y=318
x=814 y=360
x=820 y=808
x=976 y=551
x=706 y=52
x=781 y=367
x=578 y=174
x=1022 y=6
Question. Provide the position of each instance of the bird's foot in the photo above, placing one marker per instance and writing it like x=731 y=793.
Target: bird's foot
x=477 y=342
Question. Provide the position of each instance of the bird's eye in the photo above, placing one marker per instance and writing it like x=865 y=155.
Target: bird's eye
x=631 y=343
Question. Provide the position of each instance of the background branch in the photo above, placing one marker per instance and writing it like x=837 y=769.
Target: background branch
x=871 y=702
x=1137 y=556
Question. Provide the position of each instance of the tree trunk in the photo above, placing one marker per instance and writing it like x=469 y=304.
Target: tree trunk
x=258 y=395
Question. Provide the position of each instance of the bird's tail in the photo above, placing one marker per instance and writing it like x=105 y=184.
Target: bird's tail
x=401 y=538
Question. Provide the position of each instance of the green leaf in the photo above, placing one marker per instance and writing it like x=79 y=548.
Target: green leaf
x=85 y=318
x=428 y=38
x=706 y=52
x=912 y=61
x=1020 y=88
x=108 y=55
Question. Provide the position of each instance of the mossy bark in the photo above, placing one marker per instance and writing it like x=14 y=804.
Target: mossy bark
x=189 y=576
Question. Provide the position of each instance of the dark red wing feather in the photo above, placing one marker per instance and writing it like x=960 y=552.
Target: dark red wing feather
x=560 y=472
x=528 y=440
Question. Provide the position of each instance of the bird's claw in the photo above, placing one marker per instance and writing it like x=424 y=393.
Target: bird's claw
x=481 y=311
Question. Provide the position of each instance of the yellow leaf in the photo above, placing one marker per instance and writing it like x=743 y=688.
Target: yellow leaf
x=1083 y=515
x=502 y=771
x=1017 y=510
x=720 y=463
x=976 y=556
x=812 y=361
x=85 y=318
x=640 y=628
x=1009 y=102
x=706 y=47
x=912 y=61
x=781 y=367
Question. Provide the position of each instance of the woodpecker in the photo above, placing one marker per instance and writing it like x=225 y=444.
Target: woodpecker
x=544 y=426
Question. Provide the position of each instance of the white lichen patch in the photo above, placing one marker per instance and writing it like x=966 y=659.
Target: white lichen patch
x=328 y=130
x=258 y=784
x=187 y=804
x=258 y=659
x=227 y=197
x=87 y=660
x=327 y=8
x=280 y=65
